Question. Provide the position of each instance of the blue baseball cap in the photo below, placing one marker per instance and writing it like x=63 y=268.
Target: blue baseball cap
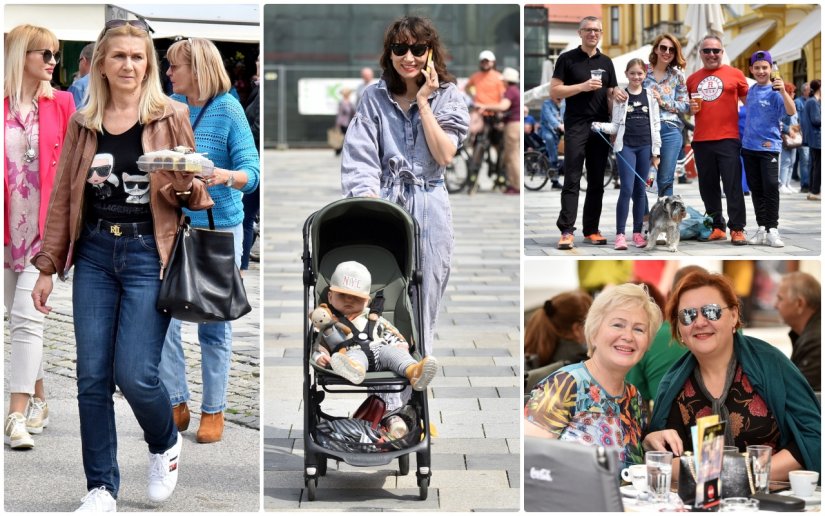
x=761 y=55
x=529 y=120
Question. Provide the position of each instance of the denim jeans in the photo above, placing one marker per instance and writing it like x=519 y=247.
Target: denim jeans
x=786 y=160
x=804 y=164
x=668 y=154
x=119 y=335
x=251 y=206
x=216 y=355
x=632 y=161
x=551 y=143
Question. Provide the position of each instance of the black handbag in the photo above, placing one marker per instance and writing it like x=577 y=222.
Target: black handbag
x=735 y=481
x=201 y=282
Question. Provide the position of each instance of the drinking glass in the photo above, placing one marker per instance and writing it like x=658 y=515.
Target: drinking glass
x=659 y=470
x=759 y=460
x=596 y=74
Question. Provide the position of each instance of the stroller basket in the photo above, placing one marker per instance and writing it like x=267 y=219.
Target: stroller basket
x=325 y=436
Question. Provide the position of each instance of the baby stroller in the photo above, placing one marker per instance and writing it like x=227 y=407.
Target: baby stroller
x=383 y=237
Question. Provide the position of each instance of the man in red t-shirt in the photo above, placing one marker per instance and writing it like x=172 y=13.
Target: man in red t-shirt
x=716 y=139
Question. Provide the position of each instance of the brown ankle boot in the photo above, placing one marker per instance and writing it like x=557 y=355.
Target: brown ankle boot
x=211 y=428
x=181 y=414
x=421 y=374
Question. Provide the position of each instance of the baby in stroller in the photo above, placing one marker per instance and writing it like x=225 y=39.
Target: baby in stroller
x=353 y=338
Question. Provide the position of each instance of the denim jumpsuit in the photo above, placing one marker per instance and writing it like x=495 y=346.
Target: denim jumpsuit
x=386 y=155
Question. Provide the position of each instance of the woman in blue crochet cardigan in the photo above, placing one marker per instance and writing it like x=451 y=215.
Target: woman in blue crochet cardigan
x=747 y=382
x=222 y=131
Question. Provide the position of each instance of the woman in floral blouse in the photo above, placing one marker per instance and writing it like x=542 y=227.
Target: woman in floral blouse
x=590 y=402
x=747 y=382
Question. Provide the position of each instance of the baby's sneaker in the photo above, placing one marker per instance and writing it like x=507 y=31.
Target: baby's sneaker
x=422 y=373
x=639 y=240
x=620 y=244
x=37 y=415
x=347 y=367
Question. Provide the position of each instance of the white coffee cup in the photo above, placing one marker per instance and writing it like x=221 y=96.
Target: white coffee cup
x=636 y=475
x=803 y=483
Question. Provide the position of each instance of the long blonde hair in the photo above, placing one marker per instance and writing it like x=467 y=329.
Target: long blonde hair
x=19 y=41
x=206 y=63
x=152 y=99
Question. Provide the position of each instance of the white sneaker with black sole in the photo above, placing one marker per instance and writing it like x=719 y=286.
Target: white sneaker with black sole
x=98 y=500
x=163 y=472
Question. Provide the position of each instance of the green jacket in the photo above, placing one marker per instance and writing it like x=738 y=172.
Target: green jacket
x=786 y=392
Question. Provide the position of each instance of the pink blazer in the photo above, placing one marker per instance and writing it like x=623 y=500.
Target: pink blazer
x=54 y=118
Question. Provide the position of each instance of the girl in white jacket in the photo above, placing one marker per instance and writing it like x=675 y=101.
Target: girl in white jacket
x=636 y=126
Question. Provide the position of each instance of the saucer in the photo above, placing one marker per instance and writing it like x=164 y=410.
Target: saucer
x=629 y=491
x=814 y=499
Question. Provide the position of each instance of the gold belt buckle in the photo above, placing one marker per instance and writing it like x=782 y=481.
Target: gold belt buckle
x=115 y=230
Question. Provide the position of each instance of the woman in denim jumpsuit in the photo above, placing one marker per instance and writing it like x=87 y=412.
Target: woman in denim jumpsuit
x=407 y=129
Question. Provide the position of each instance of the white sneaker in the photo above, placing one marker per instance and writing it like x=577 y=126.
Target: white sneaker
x=773 y=238
x=37 y=415
x=759 y=237
x=98 y=500
x=163 y=472
x=15 y=434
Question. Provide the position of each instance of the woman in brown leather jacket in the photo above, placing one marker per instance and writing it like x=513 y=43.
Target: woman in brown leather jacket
x=117 y=224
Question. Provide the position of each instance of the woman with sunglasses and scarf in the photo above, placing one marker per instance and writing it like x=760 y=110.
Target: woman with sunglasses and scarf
x=117 y=225
x=747 y=382
x=406 y=130
x=35 y=124
x=199 y=79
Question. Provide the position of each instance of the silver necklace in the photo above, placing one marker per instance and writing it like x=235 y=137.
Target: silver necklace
x=30 y=155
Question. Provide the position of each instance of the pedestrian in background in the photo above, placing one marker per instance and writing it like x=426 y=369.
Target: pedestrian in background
x=798 y=301
x=346 y=112
x=119 y=239
x=81 y=85
x=222 y=131
x=813 y=113
x=803 y=153
x=36 y=117
x=510 y=107
x=252 y=200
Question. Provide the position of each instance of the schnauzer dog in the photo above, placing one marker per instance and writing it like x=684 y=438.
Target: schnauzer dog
x=665 y=217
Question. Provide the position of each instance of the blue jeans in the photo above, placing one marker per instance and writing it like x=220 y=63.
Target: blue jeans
x=251 y=206
x=804 y=164
x=119 y=335
x=216 y=355
x=668 y=154
x=551 y=143
x=786 y=159
x=632 y=159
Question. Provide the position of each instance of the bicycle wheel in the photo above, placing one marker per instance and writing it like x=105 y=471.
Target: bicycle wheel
x=474 y=162
x=536 y=170
x=456 y=174
x=611 y=170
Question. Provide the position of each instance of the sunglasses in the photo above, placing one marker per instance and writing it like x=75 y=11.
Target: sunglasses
x=401 y=49
x=711 y=312
x=666 y=49
x=713 y=51
x=48 y=55
x=140 y=24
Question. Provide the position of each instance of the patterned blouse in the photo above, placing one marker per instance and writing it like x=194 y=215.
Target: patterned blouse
x=674 y=94
x=572 y=405
x=751 y=422
x=23 y=180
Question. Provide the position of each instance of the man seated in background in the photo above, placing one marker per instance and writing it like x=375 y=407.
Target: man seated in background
x=798 y=301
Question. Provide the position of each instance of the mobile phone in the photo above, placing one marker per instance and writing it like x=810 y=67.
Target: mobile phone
x=429 y=61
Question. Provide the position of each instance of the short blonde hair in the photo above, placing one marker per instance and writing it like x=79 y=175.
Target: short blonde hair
x=626 y=295
x=207 y=65
x=152 y=99
x=19 y=41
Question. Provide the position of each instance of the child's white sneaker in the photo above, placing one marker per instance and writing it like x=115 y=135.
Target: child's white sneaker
x=348 y=367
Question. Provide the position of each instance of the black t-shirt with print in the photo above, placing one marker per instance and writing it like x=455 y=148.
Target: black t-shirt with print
x=116 y=190
x=637 y=120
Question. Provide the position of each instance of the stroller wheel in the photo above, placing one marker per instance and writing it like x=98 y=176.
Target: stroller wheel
x=403 y=465
x=423 y=487
x=312 y=484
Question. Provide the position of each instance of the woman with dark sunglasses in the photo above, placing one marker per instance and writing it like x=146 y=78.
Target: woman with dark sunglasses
x=407 y=129
x=36 y=116
x=119 y=240
x=749 y=383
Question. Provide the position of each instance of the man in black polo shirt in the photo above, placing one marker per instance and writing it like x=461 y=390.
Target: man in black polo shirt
x=588 y=101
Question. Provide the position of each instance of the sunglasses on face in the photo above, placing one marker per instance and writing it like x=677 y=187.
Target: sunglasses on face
x=140 y=24
x=713 y=51
x=48 y=55
x=401 y=49
x=666 y=49
x=711 y=312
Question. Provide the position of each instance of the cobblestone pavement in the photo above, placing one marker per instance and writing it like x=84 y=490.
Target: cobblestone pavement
x=475 y=400
x=800 y=226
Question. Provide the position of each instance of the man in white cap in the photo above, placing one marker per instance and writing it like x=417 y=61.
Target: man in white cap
x=510 y=105
x=485 y=87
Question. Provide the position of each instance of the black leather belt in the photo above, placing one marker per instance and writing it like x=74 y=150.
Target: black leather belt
x=125 y=229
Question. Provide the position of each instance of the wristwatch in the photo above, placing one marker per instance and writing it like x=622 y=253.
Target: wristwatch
x=230 y=181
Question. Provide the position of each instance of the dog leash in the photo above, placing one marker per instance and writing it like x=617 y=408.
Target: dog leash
x=643 y=180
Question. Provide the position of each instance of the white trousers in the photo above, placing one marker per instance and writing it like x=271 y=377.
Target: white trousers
x=25 y=329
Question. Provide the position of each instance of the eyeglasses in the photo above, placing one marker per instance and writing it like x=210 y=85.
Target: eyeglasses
x=140 y=24
x=48 y=55
x=713 y=51
x=711 y=312
x=591 y=31
x=666 y=49
x=401 y=49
